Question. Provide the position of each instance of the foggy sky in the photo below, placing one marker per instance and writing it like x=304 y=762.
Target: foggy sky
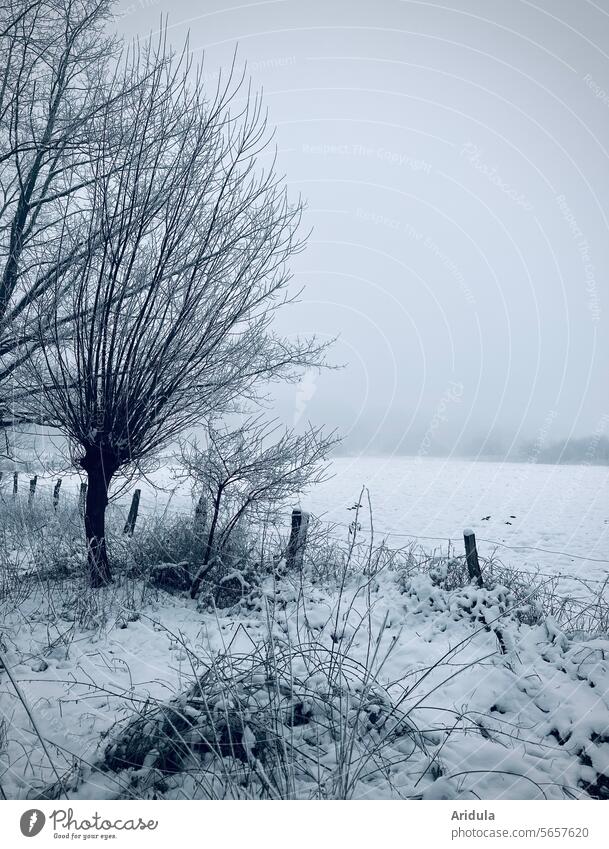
x=454 y=162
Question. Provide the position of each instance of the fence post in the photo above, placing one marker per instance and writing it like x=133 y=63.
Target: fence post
x=56 y=494
x=199 y=524
x=298 y=539
x=201 y=511
x=471 y=555
x=132 y=517
x=15 y=483
x=33 y=483
x=82 y=500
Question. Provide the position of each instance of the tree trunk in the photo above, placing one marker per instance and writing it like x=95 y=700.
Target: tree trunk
x=95 y=525
x=205 y=568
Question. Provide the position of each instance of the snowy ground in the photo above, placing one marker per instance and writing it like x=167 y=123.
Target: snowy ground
x=449 y=707
x=442 y=691
x=562 y=510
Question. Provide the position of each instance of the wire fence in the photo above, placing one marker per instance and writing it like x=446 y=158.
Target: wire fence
x=366 y=535
x=177 y=500
x=457 y=540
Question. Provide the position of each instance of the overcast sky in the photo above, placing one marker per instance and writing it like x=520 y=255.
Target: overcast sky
x=454 y=160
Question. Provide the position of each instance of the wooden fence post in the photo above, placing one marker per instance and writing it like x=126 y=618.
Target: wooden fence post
x=56 y=489
x=33 y=483
x=132 y=517
x=471 y=555
x=298 y=540
x=199 y=525
x=201 y=511
x=15 y=483
x=82 y=500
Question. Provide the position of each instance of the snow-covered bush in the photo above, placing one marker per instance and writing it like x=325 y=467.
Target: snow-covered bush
x=384 y=675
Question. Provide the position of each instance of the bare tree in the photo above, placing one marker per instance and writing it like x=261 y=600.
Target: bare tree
x=55 y=81
x=172 y=310
x=246 y=472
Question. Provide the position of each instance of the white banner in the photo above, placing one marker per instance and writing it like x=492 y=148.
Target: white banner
x=314 y=825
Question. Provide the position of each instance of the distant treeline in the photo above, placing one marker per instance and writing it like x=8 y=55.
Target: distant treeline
x=587 y=449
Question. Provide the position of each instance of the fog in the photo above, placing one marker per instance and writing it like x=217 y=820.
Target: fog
x=454 y=165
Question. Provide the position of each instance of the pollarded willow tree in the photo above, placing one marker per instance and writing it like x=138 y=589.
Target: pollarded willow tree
x=173 y=314
x=58 y=81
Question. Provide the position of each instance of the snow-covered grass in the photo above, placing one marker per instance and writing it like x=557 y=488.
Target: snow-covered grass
x=376 y=673
x=532 y=515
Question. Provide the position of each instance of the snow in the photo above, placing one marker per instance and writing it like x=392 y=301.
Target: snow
x=493 y=707
x=563 y=510
x=529 y=723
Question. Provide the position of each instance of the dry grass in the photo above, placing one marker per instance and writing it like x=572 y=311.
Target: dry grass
x=297 y=716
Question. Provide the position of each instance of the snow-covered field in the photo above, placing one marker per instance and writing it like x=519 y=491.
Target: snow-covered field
x=399 y=684
x=562 y=509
